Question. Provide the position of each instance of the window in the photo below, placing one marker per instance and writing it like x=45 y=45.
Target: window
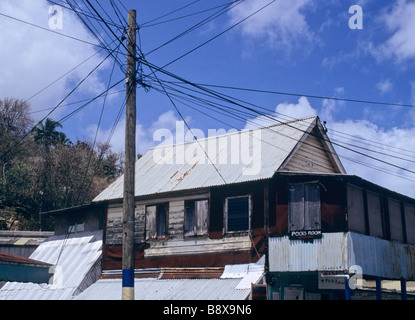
x=196 y=217
x=304 y=207
x=156 y=221
x=76 y=228
x=238 y=213
x=76 y=225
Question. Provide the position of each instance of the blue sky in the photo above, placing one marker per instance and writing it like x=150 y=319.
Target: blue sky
x=303 y=47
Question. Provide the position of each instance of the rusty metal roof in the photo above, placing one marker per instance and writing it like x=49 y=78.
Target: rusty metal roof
x=237 y=157
x=15 y=259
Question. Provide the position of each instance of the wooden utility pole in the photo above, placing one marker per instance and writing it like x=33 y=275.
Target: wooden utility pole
x=129 y=168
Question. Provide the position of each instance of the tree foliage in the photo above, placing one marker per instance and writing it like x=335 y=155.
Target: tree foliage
x=42 y=170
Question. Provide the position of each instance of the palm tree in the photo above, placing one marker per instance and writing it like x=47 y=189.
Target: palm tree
x=47 y=135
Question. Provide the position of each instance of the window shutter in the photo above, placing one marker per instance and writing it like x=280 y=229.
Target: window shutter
x=304 y=207
x=312 y=212
x=162 y=220
x=238 y=214
x=190 y=218
x=202 y=209
x=296 y=207
x=151 y=222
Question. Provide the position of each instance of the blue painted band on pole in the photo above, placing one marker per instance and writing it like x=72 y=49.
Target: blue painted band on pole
x=128 y=278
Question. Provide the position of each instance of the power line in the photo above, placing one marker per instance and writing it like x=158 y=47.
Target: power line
x=94 y=31
x=184 y=120
x=169 y=13
x=186 y=16
x=288 y=117
x=235 y=116
x=70 y=93
x=95 y=137
x=218 y=95
x=71 y=114
x=310 y=96
x=80 y=11
x=50 y=30
x=72 y=103
x=220 y=34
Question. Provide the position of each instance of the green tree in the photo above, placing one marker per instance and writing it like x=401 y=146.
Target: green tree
x=42 y=170
x=47 y=136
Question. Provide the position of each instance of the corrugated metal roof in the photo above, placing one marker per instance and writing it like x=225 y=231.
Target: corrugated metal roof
x=234 y=284
x=172 y=289
x=264 y=152
x=74 y=256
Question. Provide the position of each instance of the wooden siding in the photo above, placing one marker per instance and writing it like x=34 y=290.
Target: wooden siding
x=375 y=214
x=311 y=156
x=395 y=221
x=114 y=228
x=198 y=246
x=355 y=209
x=410 y=223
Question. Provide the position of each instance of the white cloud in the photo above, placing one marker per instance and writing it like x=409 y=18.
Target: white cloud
x=384 y=86
x=400 y=22
x=283 y=112
x=33 y=58
x=282 y=23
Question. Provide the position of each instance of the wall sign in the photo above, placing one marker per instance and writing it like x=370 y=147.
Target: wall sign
x=305 y=234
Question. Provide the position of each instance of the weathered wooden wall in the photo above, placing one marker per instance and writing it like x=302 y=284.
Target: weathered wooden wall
x=332 y=197
x=380 y=215
x=311 y=156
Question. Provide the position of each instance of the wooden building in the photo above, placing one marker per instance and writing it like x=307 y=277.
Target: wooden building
x=275 y=202
x=208 y=213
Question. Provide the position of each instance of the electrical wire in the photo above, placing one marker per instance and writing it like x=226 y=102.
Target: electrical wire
x=310 y=96
x=95 y=140
x=80 y=11
x=50 y=30
x=218 y=95
x=219 y=34
x=169 y=13
x=245 y=120
x=210 y=18
x=187 y=125
x=185 y=16
x=54 y=108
